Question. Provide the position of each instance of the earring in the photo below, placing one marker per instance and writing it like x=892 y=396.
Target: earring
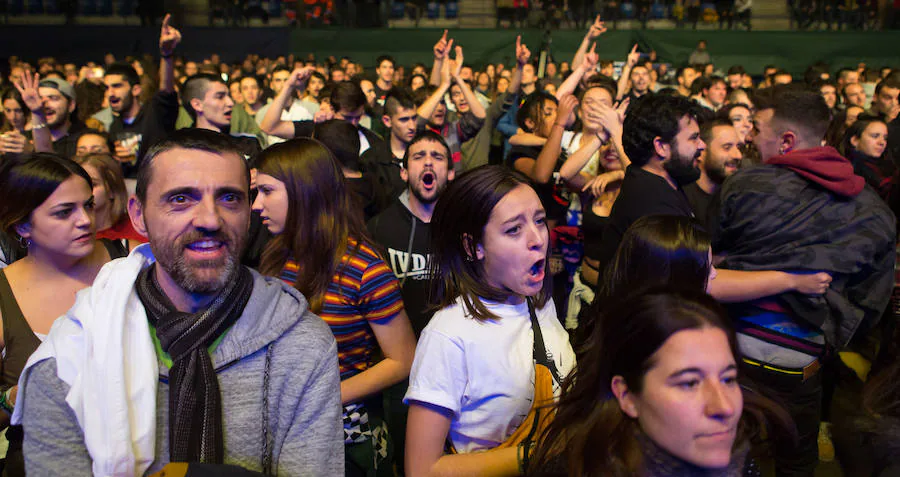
x=24 y=242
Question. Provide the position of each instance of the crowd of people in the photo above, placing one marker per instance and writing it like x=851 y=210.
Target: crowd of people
x=292 y=266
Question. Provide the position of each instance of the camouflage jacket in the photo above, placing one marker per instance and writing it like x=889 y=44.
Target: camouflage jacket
x=770 y=217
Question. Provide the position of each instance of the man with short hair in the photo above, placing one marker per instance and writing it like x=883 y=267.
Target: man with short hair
x=400 y=119
x=720 y=159
x=385 y=82
x=91 y=142
x=662 y=139
x=782 y=77
x=58 y=98
x=293 y=109
x=700 y=56
x=137 y=127
x=855 y=95
x=251 y=91
x=194 y=354
x=885 y=105
x=828 y=90
x=685 y=77
x=712 y=95
x=735 y=77
x=805 y=210
x=846 y=76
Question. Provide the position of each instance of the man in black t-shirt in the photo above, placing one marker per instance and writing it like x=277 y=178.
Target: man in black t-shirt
x=721 y=159
x=662 y=139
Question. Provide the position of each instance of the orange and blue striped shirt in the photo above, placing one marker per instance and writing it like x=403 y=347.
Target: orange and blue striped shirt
x=363 y=290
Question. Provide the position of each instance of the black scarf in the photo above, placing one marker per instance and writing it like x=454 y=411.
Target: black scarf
x=195 y=406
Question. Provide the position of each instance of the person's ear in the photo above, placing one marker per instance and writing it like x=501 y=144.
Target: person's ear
x=136 y=90
x=473 y=251
x=136 y=214
x=624 y=396
x=854 y=141
x=24 y=230
x=788 y=142
x=197 y=104
x=404 y=174
x=530 y=124
x=386 y=120
x=451 y=174
x=662 y=148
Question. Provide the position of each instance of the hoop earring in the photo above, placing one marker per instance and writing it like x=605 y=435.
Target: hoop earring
x=24 y=242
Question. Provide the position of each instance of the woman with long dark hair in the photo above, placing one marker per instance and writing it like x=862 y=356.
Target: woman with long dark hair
x=660 y=398
x=321 y=247
x=46 y=203
x=475 y=379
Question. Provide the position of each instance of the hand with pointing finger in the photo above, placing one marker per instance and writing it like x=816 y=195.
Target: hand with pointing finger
x=169 y=37
x=634 y=56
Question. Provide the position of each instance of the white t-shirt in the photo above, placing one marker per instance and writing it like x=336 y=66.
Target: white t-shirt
x=483 y=372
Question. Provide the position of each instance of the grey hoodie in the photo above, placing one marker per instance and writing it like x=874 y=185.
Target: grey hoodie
x=301 y=433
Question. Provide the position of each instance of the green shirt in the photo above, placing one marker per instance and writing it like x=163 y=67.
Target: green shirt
x=166 y=359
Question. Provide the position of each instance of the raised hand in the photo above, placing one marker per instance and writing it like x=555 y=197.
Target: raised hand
x=12 y=142
x=440 y=48
x=456 y=63
x=597 y=29
x=565 y=113
x=522 y=52
x=598 y=184
x=609 y=119
x=299 y=76
x=621 y=108
x=634 y=56
x=28 y=88
x=591 y=59
x=324 y=113
x=169 y=37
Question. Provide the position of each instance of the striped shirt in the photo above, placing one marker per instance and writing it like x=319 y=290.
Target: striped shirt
x=362 y=290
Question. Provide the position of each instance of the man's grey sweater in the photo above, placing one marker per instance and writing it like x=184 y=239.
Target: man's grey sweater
x=278 y=357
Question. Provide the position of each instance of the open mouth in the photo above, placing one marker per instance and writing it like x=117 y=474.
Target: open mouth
x=82 y=238
x=536 y=271
x=206 y=246
x=428 y=179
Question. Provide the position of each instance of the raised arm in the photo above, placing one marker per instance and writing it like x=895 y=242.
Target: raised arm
x=40 y=132
x=632 y=60
x=522 y=57
x=441 y=49
x=428 y=106
x=542 y=169
x=272 y=123
x=588 y=65
x=597 y=29
x=169 y=38
x=456 y=69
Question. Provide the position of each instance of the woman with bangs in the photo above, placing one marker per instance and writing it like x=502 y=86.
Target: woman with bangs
x=46 y=203
x=494 y=352
x=321 y=247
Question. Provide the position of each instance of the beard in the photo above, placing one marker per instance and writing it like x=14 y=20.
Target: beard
x=682 y=170
x=421 y=194
x=197 y=276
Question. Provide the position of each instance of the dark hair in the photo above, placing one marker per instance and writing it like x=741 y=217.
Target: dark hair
x=805 y=110
x=252 y=77
x=889 y=82
x=88 y=100
x=110 y=171
x=680 y=72
x=599 y=81
x=813 y=74
x=532 y=108
x=126 y=71
x=398 y=98
x=706 y=129
x=457 y=225
x=195 y=87
x=855 y=131
x=342 y=139
x=411 y=77
x=13 y=94
x=699 y=84
x=381 y=59
x=590 y=435
x=428 y=135
x=321 y=218
x=26 y=183
x=736 y=70
x=279 y=68
x=658 y=250
x=650 y=117
x=191 y=139
x=348 y=96
x=726 y=110
x=717 y=79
